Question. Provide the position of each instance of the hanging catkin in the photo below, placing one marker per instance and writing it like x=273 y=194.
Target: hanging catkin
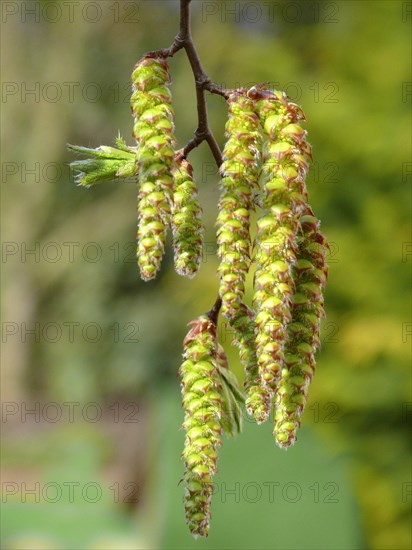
x=154 y=133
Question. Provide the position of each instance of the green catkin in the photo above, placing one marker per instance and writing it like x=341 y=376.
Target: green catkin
x=186 y=222
x=238 y=188
x=258 y=397
x=154 y=133
x=201 y=398
x=283 y=200
x=310 y=272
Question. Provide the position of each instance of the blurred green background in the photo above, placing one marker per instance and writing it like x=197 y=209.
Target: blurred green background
x=90 y=397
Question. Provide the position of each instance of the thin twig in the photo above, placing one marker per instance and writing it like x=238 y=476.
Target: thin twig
x=213 y=313
x=184 y=40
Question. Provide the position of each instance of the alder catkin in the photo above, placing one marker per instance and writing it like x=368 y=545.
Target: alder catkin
x=263 y=167
x=186 y=221
x=154 y=133
x=310 y=273
x=201 y=398
x=238 y=187
x=258 y=398
x=265 y=163
x=282 y=200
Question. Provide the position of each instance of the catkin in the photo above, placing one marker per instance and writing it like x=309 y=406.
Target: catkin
x=186 y=222
x=258 y=398
x=154 y=133
x=282 y=200
x=310 y=273
x=265 y=163
x=201 y=398
x=238 y=188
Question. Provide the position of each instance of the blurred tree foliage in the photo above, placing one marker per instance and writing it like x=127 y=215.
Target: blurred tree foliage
x=347 y=63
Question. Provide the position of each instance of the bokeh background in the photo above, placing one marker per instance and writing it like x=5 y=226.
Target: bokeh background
x=90 y=397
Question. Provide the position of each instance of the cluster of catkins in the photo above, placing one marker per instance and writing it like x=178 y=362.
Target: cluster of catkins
x=168 y=195
x=265 y=163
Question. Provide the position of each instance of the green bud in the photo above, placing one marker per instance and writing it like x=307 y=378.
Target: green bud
x=103 y=164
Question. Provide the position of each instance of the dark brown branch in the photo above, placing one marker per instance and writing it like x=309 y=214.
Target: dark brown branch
x=213 y=313
x=203 y=83
x=203 y=131
x=184 y=40
x=218 y=90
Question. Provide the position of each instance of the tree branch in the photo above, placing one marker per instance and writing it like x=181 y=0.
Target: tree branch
x=213 y=313
x=184 y=40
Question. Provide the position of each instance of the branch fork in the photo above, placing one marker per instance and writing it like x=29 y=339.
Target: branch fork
x=203 y=83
